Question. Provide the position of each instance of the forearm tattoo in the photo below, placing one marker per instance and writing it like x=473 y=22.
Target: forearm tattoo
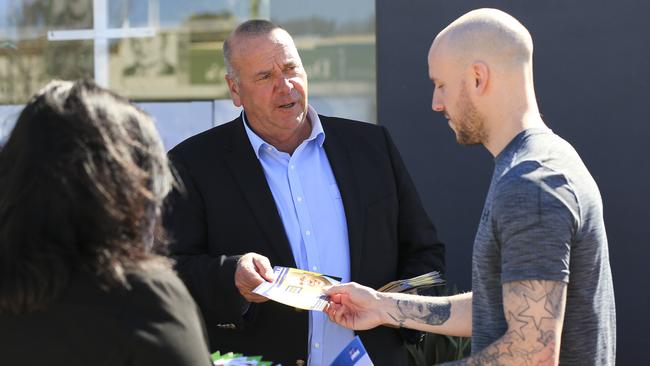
x=534 y=311
x=421 y=311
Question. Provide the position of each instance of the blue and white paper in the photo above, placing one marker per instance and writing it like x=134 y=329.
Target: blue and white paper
x=354 y=354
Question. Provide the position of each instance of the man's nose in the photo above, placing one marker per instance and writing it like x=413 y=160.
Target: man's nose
x=436 y=103
x=283 y=84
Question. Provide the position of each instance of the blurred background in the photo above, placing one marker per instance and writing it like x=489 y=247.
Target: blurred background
x=367 y=60
x=167 y=54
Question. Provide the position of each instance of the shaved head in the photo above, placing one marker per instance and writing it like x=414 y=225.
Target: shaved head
x=486 y=35
x=481 y=66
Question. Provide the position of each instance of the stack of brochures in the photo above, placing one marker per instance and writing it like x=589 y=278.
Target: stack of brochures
x=415 y=284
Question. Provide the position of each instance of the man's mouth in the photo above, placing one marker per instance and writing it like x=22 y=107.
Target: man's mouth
x=288 y=105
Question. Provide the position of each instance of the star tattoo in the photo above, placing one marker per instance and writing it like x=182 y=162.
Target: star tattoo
x=516 y=324
x=536 y=310
x=503 y=348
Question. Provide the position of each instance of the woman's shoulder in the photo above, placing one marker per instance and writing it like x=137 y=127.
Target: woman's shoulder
x=155 y=280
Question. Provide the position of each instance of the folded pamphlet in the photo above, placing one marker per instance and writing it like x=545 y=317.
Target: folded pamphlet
x=298 y=288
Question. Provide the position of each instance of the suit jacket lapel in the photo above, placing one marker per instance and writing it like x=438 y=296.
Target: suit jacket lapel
x=340 y=159
x=248 y=172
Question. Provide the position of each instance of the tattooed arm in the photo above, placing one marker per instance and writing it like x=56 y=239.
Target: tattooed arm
x=359 y=307
x=534 y=311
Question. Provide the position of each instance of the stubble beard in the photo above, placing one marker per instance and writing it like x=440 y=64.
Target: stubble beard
x=470 y=123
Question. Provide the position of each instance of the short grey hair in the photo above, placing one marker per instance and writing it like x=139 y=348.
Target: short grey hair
x=249 y=28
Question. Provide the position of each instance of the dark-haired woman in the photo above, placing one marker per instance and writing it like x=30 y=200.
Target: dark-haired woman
x=82 y=180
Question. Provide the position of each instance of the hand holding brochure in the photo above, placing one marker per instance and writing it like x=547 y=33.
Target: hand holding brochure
x=305 y=290
x=298 y=288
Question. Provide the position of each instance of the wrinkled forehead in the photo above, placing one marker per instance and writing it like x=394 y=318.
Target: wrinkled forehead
x=277 y=41
x=280 y=36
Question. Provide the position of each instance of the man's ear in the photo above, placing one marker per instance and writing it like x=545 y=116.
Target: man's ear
x=480 y=76
x=233 y=87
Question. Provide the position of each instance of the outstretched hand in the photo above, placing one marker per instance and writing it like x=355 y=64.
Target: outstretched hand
x=354 y=306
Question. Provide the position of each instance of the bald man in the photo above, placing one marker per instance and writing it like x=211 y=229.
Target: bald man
x=541 y=280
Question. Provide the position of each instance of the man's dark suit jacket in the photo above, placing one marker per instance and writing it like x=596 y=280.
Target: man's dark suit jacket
x=228 y=210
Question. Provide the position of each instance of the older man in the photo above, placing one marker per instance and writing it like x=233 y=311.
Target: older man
x=282 y=185
x=541 y=280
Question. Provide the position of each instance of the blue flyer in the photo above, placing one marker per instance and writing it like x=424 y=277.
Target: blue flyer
x=353 y=354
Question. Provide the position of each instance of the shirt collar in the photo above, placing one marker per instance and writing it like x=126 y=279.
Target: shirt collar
x=507 y=152
x=317 y=132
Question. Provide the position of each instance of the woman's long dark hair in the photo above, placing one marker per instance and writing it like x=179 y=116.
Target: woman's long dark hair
x=82 y=179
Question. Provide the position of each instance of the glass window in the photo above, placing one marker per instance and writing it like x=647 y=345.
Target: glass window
x=169 y=50
x=8 y=116
x=27 y=59
x=336 y=41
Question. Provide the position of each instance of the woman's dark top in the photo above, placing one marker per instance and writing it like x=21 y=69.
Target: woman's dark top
x=154 y=322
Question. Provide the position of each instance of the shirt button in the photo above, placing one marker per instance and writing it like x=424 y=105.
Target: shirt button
x=314 y=268
x=299 y=199
x=292 y=167
x=307 y=232
x=269 y=148
x=316 y=345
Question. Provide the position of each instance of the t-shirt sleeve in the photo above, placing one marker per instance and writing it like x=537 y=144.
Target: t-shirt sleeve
x=536 y=216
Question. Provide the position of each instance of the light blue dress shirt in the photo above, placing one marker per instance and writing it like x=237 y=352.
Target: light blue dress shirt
x=310 y=205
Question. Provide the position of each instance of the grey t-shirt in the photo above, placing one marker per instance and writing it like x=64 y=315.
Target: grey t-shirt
x=543 y=220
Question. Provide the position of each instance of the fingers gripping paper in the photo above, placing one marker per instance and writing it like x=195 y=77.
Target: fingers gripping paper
x=298 y=288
